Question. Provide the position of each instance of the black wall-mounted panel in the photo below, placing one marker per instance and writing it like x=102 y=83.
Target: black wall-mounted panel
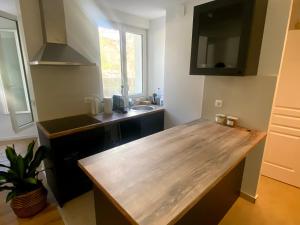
x=227 y=37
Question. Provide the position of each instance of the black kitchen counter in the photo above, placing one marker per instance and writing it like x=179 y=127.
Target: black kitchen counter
x=74 y=124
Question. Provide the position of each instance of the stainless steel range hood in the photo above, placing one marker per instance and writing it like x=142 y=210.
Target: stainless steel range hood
x=56 y=51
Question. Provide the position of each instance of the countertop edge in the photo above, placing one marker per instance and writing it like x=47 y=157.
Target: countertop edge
x=96 y=125
x=114 y=202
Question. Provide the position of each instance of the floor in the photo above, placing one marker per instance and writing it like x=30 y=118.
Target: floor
x=278 y=204
x=49 y=216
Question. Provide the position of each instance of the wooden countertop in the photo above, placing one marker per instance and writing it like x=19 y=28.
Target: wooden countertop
x=157 y=179
x=70 y=125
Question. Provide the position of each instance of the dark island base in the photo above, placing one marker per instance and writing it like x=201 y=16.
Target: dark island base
x=208 y=211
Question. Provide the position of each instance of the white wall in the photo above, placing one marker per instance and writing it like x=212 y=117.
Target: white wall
x=7 y=133
x=60 y=91
x=156 y=55
x=8 y=6
x=183 y=93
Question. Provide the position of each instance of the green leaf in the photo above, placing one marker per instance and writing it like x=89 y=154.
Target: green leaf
x=40 y=155
x=3 y=175
x=31 y=180
x=12 y=175
x=29 y=154
x=11 y=195
x=8 y=176
x=20 y=167
x=11 y=154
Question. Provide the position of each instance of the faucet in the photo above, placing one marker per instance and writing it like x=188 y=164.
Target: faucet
x=124 y=92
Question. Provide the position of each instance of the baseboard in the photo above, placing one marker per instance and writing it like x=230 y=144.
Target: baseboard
x=12 y=140
x=248 y=197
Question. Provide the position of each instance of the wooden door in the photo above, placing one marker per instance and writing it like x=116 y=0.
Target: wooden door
x=282 y=157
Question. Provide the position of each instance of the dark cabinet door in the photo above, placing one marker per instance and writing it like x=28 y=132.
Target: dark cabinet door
x=134 y=129
x=86 y=143
x=152 y=123
x=130 y=130
x=112 y=136
x=64 y=176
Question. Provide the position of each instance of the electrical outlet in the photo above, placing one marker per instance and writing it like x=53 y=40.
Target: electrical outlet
x=88 y=99
x=219 y=103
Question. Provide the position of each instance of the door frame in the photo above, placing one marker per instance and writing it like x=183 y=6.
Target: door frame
x=24 y=72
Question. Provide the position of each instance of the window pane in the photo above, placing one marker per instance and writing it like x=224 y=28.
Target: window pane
x=134 y=54
x=110 y=61
x=14 y=94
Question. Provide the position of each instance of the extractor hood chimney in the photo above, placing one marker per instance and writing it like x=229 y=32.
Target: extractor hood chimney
x=55 y=50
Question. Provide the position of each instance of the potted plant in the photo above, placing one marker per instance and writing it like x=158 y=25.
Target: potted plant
x=27 y=193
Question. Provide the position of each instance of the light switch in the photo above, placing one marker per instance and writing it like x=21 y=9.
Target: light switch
x=219 y=103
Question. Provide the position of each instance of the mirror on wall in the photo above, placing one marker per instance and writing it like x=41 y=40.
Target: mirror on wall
x=14 y=95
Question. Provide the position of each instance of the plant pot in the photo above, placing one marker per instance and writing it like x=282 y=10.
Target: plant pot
x=29 y=204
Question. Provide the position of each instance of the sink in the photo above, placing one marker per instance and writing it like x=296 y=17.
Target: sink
x=142 y=108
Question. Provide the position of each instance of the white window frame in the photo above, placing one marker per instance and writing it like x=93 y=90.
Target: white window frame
x=3 y=100
x=134 y=30
x=3 y=96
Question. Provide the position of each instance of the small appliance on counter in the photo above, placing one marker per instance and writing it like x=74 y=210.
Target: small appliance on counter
x=119 y=104
x=107 y=106
x=230 y=121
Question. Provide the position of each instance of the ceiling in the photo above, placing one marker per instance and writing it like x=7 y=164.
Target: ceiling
x=149 y=9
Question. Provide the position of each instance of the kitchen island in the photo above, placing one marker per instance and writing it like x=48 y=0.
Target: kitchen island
x=187 y=175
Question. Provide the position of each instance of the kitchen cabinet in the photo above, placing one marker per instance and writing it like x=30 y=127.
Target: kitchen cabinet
x=152 y=124
x=141 y=127
x=184 y=176
x=64 y=177
x=227 y=37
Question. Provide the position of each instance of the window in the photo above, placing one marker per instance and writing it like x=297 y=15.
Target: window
x=123 y=61
x=14 y=96
x=12 y=75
